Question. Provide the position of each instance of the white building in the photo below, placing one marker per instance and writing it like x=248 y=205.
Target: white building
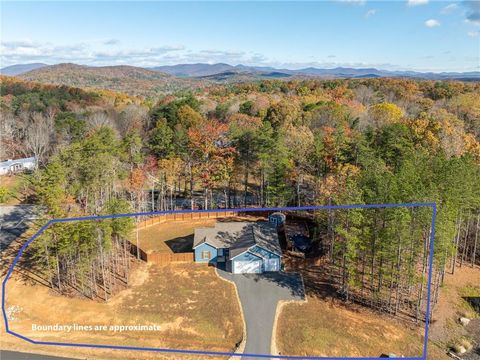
x=14 y=166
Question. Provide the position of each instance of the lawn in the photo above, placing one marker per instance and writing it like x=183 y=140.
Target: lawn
x=10 y=189
x=177 y=235
x=191 y=305
x=172 y=236
x=327 y=326
x=321 y=327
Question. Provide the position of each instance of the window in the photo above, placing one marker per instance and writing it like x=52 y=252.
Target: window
x=206 y=255
x=220 y=252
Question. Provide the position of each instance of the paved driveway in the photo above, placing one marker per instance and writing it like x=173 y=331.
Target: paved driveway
x=14 y=221
x=259 y=295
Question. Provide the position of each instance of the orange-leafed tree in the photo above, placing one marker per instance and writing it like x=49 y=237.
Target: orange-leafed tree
x=212 y=155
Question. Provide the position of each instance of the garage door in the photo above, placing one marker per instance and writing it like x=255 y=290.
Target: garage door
x=247 y=267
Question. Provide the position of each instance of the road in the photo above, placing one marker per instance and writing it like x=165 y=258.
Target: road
x=15 y=355
x=259 y=297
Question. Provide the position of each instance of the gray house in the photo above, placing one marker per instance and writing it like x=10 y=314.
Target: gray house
x=14 y=166
x=243 y=247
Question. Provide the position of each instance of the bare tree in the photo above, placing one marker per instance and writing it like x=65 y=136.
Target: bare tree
x=133 y=117
x=8 y=135
x=38 y=133
x=101 y=119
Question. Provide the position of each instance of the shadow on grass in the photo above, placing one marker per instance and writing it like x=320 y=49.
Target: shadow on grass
x=181 y=244
x=474 y=302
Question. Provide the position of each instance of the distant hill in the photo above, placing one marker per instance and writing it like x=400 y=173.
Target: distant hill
x=243 y=76
x=128 y=79
x=18 y=69
x=194 y=70
x=228 y=72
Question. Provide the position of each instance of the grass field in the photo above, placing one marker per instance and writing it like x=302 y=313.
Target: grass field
x=324 y=328
x=327 y=326
x=172 y=236
x=192 y=306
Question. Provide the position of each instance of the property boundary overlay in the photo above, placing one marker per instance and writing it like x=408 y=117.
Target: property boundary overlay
x=432 y=205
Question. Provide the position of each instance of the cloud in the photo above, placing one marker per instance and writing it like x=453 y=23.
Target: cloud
x=449 y=9
x=431 y=23
x=111 y=42
x=417 y=2
x=472 y=13
x=97 y=53
x=353 y=2
x=370 y=12
x=473 y=33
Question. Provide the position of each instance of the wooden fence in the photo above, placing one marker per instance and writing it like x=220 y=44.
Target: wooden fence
x=184 y=216
x=166 y=258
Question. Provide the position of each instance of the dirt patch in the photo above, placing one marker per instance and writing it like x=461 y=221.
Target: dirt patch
x=446 y=329
x=451 y=305
x=192 y=307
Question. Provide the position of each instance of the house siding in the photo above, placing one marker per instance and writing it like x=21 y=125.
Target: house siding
x=202 y=249
x=271 y=261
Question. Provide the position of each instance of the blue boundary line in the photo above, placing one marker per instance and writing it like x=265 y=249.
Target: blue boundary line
x=215 y=353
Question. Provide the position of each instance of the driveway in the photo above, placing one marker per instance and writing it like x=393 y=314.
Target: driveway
x=259 y=295
x=14 y=221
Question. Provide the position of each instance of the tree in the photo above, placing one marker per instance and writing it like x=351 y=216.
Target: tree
x=385 y=113
x=161 y=139
x=38 y=133
x=211 y=153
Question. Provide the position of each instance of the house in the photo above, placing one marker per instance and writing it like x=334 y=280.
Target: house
x=243 y=247
x=13 y=166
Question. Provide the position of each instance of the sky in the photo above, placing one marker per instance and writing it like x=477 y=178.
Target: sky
x=422 y=35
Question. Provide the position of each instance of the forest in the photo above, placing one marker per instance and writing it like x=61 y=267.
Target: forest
x=258 y=143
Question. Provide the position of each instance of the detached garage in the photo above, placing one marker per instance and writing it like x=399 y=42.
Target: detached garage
x=244 y=247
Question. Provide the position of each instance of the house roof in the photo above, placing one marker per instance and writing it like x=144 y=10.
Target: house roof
x=239 y=236
x=9 y=162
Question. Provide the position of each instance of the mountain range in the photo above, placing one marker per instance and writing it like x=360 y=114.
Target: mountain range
x=166 y=79
x=222 y=70
x=214 y=70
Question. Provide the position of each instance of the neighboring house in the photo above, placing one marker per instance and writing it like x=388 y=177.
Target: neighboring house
x=243 y=247
x=14 y=166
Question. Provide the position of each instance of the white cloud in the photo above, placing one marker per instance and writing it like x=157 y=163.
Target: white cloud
x=431 y=23
x=105 y=52
x=473 y=33
x=417 y=2
x=449 y=9
x=353 y=2
x=370 y=12
x=111 y=42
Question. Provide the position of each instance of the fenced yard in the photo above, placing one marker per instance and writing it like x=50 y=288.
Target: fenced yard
x=169 y=238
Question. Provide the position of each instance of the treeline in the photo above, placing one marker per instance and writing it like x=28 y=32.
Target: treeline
x=272 y=143
x=91 y=258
